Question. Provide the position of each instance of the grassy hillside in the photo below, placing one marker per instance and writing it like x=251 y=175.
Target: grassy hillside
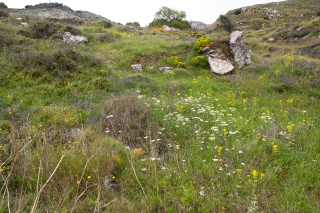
x=80 y=131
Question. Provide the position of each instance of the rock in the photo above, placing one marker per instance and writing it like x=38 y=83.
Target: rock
x=74 y=39
x=58 y=11
x=197 y=25
x=136 y=67
x=207 y=50
x=165 y=69
x=272 y=14
x=242 y=55
x=300 y=28
x=219 y=65
x=169 y=29
x=271 y=39
x=3 y=6
x=24 y=24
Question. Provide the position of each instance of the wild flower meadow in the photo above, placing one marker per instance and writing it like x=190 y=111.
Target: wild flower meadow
x=80 y=131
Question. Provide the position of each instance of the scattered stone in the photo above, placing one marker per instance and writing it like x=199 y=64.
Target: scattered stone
x=24 y=24
x=207 y=50
x=300 y=28
x=219 y=65
x=165 y=69
x=169 y=29
x=74 y=39
x=242 y=54
x=136 y=67
x=19 y=19
x=272 y=14
x=132 y=29
x=271 y=39
x=75 y=132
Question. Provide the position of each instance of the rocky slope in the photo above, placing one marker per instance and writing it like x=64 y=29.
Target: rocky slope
x=57 y=11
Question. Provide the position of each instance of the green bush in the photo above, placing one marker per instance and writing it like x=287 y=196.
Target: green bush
x=200 y=61
x=40 y=30
x=134 y=24
x=201 y=43
x=238 y=11
x=257 y=23
x=105 y=24
x=73 y=30
x=226 y=23
x=180 y=24
x=105 y=37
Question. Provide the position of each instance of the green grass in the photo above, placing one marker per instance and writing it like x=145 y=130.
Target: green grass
x=185 y=141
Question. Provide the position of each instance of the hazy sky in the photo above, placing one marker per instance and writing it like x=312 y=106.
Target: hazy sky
x=143 y=11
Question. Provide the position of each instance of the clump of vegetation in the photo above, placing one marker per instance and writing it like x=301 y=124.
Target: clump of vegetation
x=257 y=23
x=226 y=23
x=175 y=60
x=73 y=30
x=134 y=24
x=200 y=61
x=125 y=113
x=238 y=11
x=105 y=24
x=3 y=13
x=40 y=30
x=105 y=37
x=201 y=43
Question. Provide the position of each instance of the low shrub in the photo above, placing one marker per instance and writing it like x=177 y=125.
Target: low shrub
x=257 y=23
x=73 y=30
x=200 y=61
x=134 y=24
x=128 y=119
x=201 y=43
x=238 y=11
x=175 y=61
x=40 y=30
x=105 y=37
x=105 y=24
x=180 y=24
x=181 y=72
x=3 y=13
x=226 y=23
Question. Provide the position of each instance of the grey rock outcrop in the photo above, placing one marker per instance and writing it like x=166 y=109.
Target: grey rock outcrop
x=272 y=14
x=74 y=39
x=169 y=29
x=242 y=54
x=219 y=65
x=58 y=11
x=3 y=5
x=197 y=25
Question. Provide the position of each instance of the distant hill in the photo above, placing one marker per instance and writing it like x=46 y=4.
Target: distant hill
x=58 y=11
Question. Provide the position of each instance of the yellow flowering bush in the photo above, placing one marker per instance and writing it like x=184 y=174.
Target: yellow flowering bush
x=201 y=43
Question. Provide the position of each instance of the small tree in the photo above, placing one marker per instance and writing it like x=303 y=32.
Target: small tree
x=226 y=24
x=171 y=18
x=165 y=13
